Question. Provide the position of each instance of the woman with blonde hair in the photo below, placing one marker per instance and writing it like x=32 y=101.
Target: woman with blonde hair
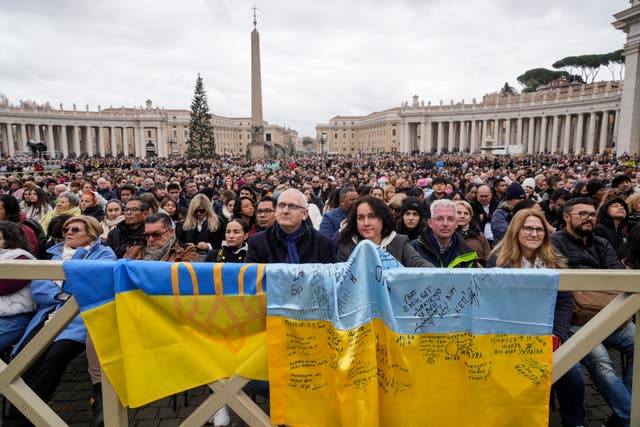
x=527 y=244
x=470 y=231
x=201 y=227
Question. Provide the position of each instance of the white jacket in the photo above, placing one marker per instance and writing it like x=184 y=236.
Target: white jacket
x=21 y=301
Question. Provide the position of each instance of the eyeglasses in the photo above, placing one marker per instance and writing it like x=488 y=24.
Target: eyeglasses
x=73 y=230
x=290 y=206
x=61 y=202
x=530 y=230
x=199 y=211
x=155 y=235
x=264 y=211
x=444 y=219
x=585 y=214
x=133 y=210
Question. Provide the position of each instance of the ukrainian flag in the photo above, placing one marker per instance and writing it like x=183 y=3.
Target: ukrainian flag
x=369 y=343
x=160 y=328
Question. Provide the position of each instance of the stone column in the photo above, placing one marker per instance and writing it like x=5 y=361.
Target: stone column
x=577 y=146
x=112 y=141
x=628 y=121
x=10 y=146
x=138 y=145
x=497 y=132
x=464 y=137
x=64 y=144
x=76 y=140
x=474 y=137
x=404 y=137
x=101 y=140
x=51 y=145
x=452 y=130
x=591 y=133
x=37 y=137
x=125 y=141
x=567 y=134
x=604 y=131
x=507 y=133
x=543 y=134
x=616 y=131
x=440 y=137
x=23 y=136
x=428 y=137
x=483 y=132
x=554 y=134
x=4 y=148
x=530 y=134
x=518 y=140
x=88 y=140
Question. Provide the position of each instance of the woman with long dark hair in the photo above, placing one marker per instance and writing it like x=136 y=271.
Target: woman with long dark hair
x=370 y=218
x=36 y=203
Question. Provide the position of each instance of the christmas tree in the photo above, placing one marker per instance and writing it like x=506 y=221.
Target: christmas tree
x=202 y=144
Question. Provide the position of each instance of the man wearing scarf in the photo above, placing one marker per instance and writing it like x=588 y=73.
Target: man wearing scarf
x=160 y=242
x=290 y=240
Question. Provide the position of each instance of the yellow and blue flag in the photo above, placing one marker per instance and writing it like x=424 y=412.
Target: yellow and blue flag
x=160 y=328
x=370 y=343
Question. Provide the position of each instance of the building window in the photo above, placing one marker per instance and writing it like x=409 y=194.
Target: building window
x=148 y=134
x=186 y=133
x=335 y=135
x=268 y=137
x=175 y=134
x=393 y=132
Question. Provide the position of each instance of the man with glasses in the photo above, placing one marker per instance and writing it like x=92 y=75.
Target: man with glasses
x=160 y=243
x=582 y=249
x=483 y=208
x=129 y=232
x=290 y=239
x=265 y=215
x=439 y=243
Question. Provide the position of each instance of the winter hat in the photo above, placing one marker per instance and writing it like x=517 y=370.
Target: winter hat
x=529 y=182
x=422 y=182
x=619 y=180
x=411 y=204
x=514 y=191
x=593 y=186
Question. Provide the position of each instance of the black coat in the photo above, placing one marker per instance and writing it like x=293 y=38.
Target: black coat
x=121 y=237
x=194 y=236
x=597 y=253
x=313 y=247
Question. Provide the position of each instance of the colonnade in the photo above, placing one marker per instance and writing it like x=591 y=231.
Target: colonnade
x=570 y=133
x=89 y=139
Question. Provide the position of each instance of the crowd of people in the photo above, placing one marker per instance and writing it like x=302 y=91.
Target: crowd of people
x=447 y=211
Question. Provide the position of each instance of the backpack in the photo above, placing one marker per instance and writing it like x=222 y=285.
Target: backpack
x=41 y=236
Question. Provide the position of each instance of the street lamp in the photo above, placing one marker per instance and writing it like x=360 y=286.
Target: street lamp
x=323 y=140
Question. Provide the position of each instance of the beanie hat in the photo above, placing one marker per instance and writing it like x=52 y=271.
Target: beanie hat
x=411 y=204
x=422 y=182
x=514 y=191
x=529 y=182
x=593 y=186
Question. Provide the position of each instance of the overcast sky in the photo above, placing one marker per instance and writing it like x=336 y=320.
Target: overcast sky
x=319 y=58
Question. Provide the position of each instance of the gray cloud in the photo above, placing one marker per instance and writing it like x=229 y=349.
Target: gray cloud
x=319 y=58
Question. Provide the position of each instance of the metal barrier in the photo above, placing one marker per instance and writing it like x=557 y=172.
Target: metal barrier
x=229 y=391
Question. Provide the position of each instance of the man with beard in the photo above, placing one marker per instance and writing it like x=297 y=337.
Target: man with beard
x=582 y=249
x=553 y=207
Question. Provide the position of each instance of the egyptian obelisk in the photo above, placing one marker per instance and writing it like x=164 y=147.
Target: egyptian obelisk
x=257 y=148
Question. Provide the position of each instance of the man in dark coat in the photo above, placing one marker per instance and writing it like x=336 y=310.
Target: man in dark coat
x=130 y=231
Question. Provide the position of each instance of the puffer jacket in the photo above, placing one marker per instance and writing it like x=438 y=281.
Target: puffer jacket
x=596 y=253
x=606 y=227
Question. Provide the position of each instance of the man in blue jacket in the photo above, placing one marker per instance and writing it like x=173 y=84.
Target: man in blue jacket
x=330 y=224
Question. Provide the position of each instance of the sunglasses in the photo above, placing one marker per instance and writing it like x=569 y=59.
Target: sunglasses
x=155 y=235
x=73 y=230
x=199 y=211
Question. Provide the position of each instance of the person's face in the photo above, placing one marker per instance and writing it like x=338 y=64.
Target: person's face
x=501 y=187
x=231 y=204
x=235 y=235
x=315 y=182
x=174 y=194
x=464 y=217
x=133 y=213
x=200 y=213
x=569 y=184
x=125 y=195
x=290 y=212
x=581 y=220
x=62 y=204
x=390 y=193
x=531 y=235
x=472 y=193
x=265 y=214
x=378 y=194
x=75 y=235
x=114 y=210
x=170 y=208
x=348 y=200
x=247 y=209
x=616 y=211
x=157 y=234
x=246 y=193
x=557 y=206
x=86 y=187
x=51 y=187
x=33 y=197
x=624 y=186
x=411 y=219
x=161 y=193
x=443 y=223
x=368 y=223
x=439 y=187
x=542 y=184
x=102 y=184
x=597 y=196
x=191 y=188
x=484 y=196
x=85 y=202
x=528 y=191
x=307 y=194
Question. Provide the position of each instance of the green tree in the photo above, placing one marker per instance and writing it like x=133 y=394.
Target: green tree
x=507 y=89
x=202 y=144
